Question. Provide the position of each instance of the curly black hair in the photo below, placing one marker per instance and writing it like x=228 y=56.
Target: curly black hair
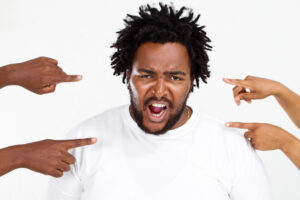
x=160 y=26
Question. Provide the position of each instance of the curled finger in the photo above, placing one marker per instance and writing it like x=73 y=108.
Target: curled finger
x=63 y=166
x=68 y=158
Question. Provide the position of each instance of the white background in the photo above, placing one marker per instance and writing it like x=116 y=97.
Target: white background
x=255 y=37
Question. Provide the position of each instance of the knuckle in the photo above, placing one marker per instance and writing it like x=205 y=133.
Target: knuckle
x=58 y=174
x=47 y=140
x=67 y=168
x=44 y=62
x=47 y=67
x=59 y=154
x=41 y=58
x=73 y=160
x=55 y=162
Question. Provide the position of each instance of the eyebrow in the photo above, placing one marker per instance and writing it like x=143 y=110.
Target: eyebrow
x=146 y=71
x=168 y=72
x=176 y=73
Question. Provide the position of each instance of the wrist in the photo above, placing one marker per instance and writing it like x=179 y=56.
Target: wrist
x=10 y=159
x=279 y=90
x=6 y=73
x=287 y=141
x=16 y=156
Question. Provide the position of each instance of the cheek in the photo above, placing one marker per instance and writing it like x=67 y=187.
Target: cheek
x=179 y=92
x=134 y=91
x=139 y=91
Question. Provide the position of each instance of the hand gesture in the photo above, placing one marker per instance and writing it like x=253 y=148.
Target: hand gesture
x=51 y=157
x=40 y=75
x=252 y=88
x=263 y=136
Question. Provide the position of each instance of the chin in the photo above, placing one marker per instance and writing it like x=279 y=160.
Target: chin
x=154 y=128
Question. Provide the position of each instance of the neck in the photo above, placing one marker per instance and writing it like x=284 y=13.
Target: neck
x=184 y=117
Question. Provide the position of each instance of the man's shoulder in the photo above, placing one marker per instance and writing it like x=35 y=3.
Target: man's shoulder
x=214 y=132
x=217 y=127
x=99 y=123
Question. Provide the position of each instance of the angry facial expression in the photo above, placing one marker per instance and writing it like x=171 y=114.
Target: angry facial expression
x=159 y=85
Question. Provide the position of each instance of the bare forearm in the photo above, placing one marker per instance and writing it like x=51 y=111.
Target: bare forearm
x=290 y=102
x=10 y=159
x=291 y=148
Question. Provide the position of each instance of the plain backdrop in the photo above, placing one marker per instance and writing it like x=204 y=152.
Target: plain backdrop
x=259 y=38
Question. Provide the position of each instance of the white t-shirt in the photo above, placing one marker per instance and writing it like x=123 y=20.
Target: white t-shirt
x=201 y=160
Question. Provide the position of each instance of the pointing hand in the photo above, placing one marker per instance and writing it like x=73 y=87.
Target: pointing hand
x=258 y=88
x=40 y=75
x=51 y=157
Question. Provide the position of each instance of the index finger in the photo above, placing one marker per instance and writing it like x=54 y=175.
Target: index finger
x=238 y=82
x=70 y=144
x=60 y=78
x=70 y=78
x=240 y=125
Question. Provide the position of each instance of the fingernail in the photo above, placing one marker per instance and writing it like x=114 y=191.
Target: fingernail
x=94 y=140
x=79 y=77
x=237 y=100
x=227 y=124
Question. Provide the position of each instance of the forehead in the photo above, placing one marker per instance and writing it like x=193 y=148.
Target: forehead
x=162 y=57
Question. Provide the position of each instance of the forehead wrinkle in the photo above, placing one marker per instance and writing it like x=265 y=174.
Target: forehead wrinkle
x=157 y=69
x=146 y=71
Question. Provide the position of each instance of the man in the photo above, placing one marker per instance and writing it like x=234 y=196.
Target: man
x=158 y=147
x=50 y=157
x=267 y=136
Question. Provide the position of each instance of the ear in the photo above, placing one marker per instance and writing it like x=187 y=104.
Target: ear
x=192 y=83
x=127 y=75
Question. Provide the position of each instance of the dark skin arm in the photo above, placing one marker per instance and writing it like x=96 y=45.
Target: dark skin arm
x=49 y=157
x=40 y=75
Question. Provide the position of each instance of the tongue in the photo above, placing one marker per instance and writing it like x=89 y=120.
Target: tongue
x=155 y=110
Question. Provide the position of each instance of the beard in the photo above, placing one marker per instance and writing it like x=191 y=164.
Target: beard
x=138 y=115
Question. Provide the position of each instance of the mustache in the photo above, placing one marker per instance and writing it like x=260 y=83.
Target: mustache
x=158 y=99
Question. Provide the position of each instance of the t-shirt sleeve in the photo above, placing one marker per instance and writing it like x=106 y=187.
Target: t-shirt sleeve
x=249 y=180
x=64 y=188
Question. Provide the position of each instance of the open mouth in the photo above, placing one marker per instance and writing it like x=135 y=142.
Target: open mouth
x=157 y=111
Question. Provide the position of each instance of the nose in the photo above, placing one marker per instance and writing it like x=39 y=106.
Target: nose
x=160 y=88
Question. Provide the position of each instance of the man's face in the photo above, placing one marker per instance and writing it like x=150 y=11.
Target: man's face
x=159 y=85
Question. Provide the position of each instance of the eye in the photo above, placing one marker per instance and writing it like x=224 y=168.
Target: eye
x=145 y=76
x=176 y=78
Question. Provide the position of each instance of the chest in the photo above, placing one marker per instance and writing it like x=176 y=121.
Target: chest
x=163 y=172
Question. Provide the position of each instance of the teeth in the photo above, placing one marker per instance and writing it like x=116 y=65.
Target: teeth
x=158 y=105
